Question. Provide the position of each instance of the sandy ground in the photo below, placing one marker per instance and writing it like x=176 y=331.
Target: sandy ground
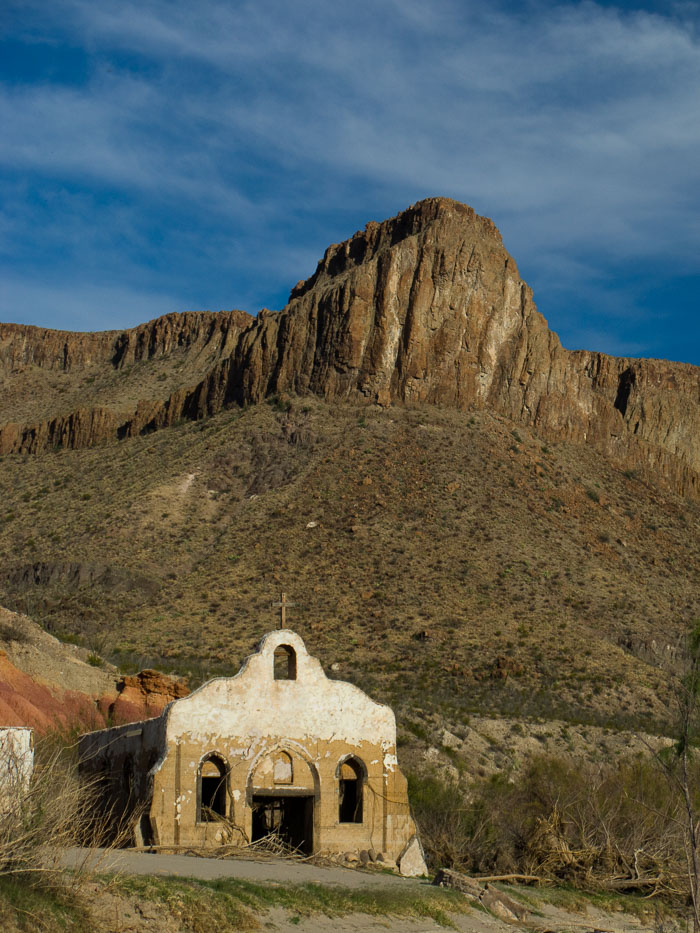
x=543 y=919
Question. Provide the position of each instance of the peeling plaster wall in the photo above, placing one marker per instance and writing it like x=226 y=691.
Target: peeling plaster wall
x=255 y=706
x=247 y=721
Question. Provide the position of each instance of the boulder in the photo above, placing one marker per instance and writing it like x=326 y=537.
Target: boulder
x=411 y=862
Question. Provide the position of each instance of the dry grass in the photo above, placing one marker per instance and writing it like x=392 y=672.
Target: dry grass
x=40 y=818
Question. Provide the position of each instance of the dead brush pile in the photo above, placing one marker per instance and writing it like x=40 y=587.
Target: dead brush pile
x=617 y=827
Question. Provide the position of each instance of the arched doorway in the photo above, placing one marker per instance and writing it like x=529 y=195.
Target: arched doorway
x=282 y=791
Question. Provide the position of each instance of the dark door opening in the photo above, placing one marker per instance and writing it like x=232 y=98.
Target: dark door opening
x=350 y=802
x=291 y=818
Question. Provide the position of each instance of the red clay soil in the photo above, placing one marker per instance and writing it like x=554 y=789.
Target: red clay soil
x=28 y=702
x=25 y=701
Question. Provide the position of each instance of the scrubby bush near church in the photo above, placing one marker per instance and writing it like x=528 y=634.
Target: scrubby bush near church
x=615 y=827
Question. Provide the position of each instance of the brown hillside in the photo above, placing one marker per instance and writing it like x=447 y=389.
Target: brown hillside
x=453 y=560
x=427 y=307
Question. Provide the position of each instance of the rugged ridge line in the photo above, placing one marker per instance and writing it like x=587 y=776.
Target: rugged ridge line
x=23 y=345
x=427 y=307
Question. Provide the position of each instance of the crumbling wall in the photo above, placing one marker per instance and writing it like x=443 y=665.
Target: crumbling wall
x=122 y=761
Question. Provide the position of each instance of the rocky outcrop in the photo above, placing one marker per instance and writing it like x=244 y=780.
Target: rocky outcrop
x=73 y=575
x=49 y=685
x=204 y=341
x=427 y=307
x=143 y=696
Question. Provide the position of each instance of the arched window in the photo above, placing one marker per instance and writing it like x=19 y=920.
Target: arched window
x=285 y=663
x=211 y=790
x=283 y=771
x=351 y=778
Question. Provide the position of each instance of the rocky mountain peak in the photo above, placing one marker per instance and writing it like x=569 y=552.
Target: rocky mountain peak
x=426 y=307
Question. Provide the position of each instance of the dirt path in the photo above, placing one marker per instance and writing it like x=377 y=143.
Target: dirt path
x=282 y=871
x=544 y=919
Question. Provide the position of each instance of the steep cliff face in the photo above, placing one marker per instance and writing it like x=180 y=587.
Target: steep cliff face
x=427 y=307
x=22 y=346
x=63 y=389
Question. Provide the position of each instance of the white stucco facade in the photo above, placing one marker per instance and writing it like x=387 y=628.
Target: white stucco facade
x=279 y=747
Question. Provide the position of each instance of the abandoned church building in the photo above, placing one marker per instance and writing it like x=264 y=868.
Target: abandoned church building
x=277 y=748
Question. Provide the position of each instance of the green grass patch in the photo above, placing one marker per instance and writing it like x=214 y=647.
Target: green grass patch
x=573 y=900
x=232 y=904
x=25 y=905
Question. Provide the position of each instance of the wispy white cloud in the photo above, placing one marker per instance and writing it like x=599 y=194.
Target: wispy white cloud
x=272 y=127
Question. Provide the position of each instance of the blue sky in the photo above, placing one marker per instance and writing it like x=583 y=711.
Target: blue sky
x=163 y=156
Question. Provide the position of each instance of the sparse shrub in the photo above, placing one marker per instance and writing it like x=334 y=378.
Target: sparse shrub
x=418 y=730
x=447 y=826
x=593 y=495
x=95 y=660
x=13 y=631
x=68 y=638
x=280 y=403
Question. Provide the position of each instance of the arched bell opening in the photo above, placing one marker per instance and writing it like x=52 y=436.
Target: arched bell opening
x=285 y=663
